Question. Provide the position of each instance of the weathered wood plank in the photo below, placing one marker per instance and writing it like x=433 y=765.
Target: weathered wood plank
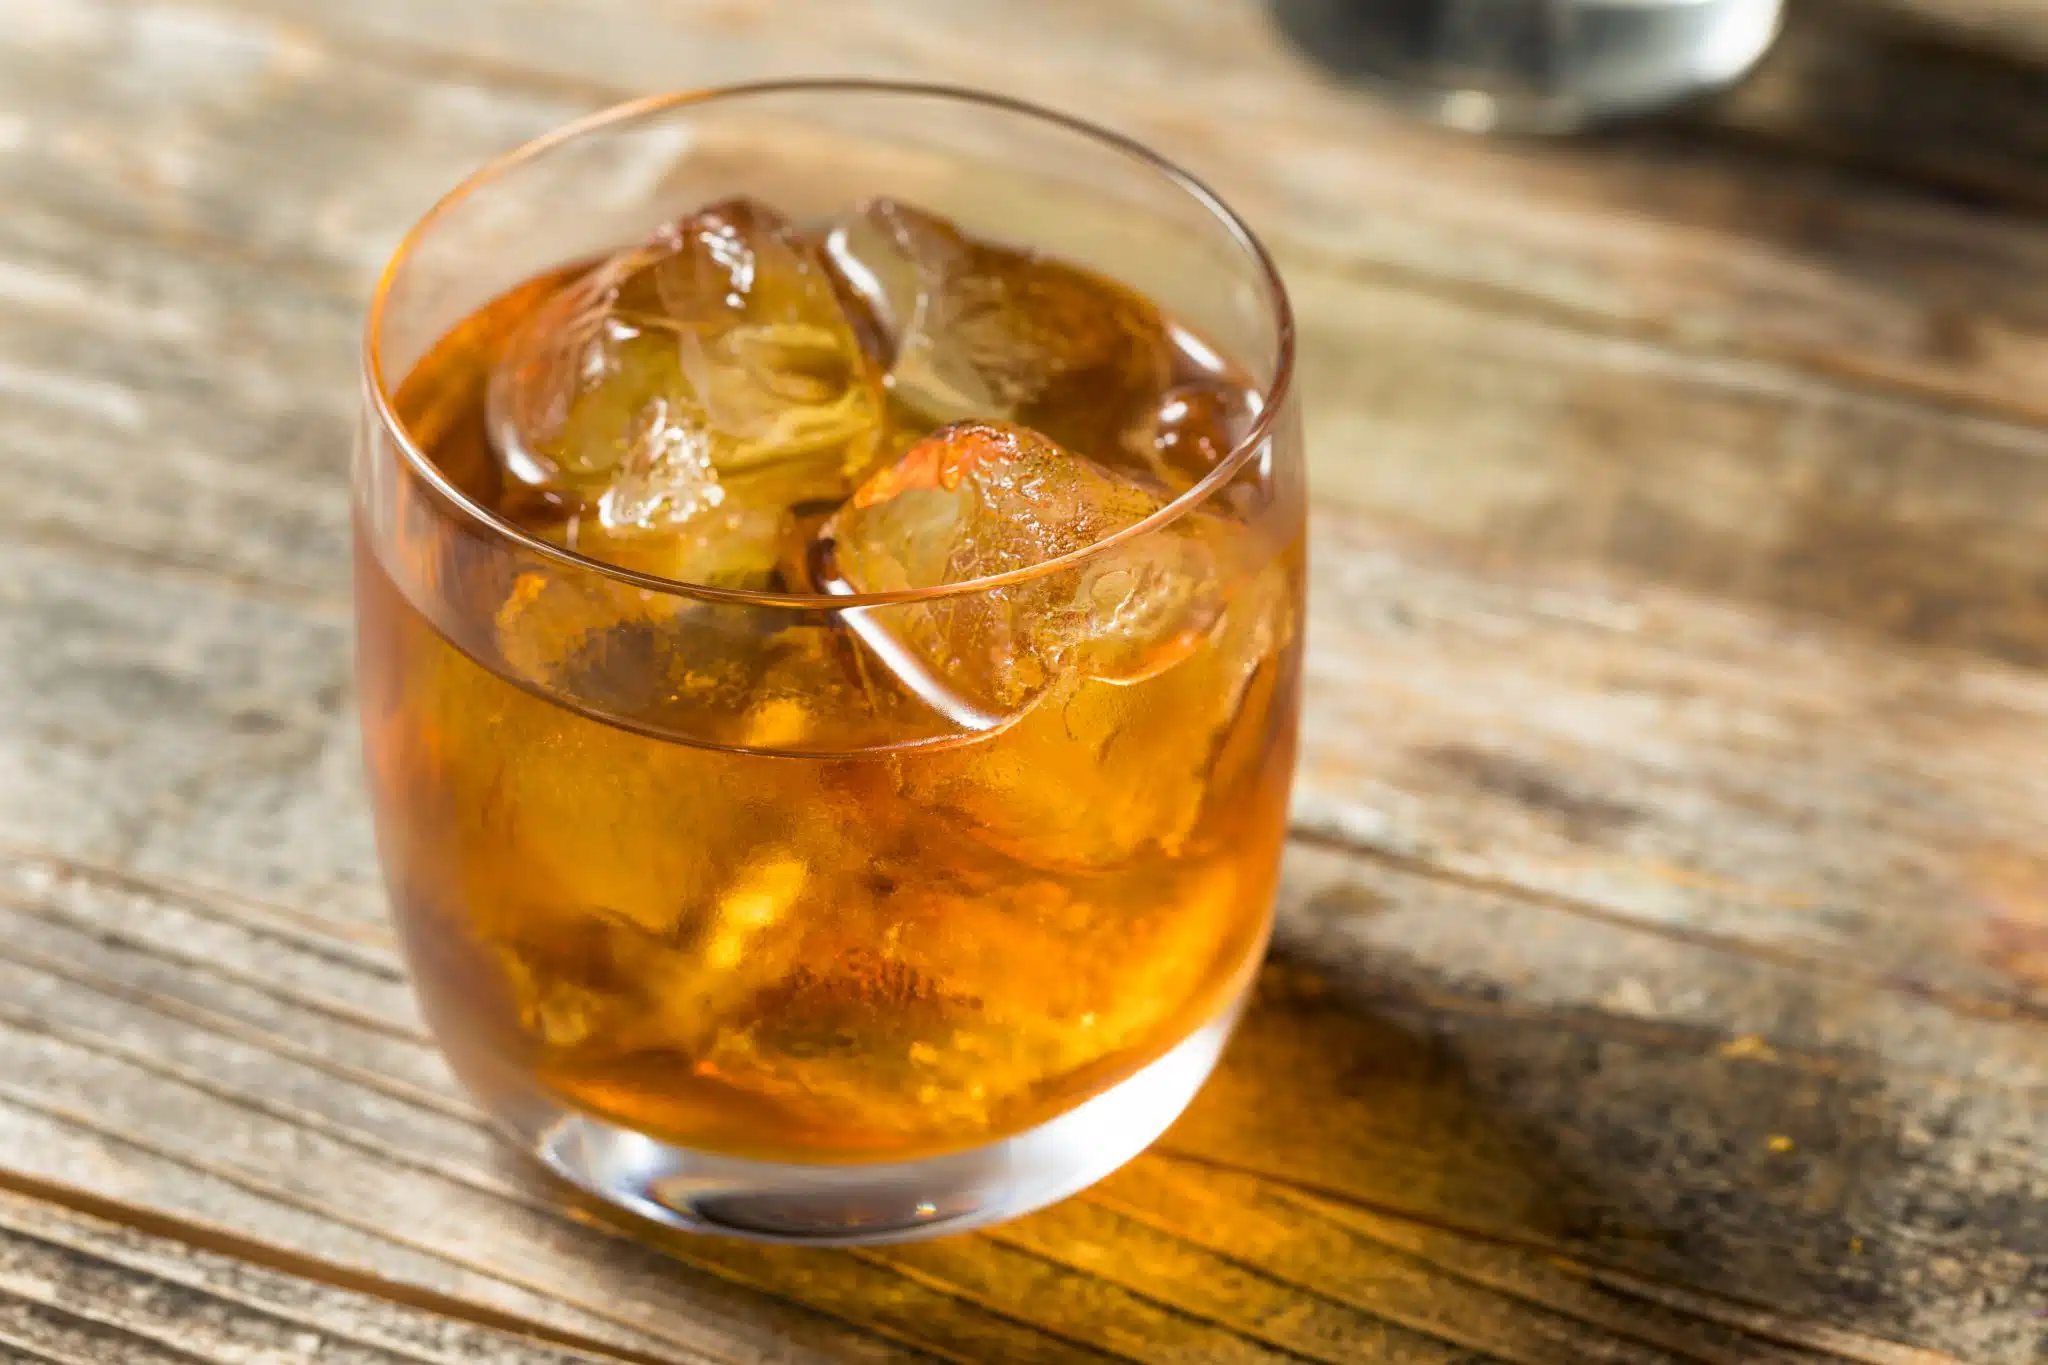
x=1530 y=446
x=1541 y=423
x=1618 y=974
x=1521 y=434
x=161 y=693
x=1628 y=1139
x=1645 y=754
x=247 y=1074
x=624 y=1299
x=565 y=1271
x=1786 y=1018
x=1458 y=1013
x=1944 y=93
x=236 y=385
x=75 y=1285
x=20 y=1354
x=1510 y=435
x=101 y=913
x=103 y=1028
x=1613 y=976
x=1789 y=493
x=1806 y=780
x=2017 y=27
x=1507 y=434
x=1705 y=245
x=360 y=1143
x=1698 y=945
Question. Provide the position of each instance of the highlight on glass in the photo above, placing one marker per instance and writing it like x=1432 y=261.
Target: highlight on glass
x=829 y=585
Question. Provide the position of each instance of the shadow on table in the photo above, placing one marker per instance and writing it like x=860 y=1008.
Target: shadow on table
x=1350 y=1093
x=1667 y=1154
x=1372 y=1140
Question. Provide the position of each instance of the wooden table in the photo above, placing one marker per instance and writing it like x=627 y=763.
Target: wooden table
x=1663 y=965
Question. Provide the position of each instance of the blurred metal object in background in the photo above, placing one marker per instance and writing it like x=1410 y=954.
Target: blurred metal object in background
x=1541 y=66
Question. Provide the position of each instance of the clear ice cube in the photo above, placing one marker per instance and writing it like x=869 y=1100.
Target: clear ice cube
x=1116 y=679
x=1104 y=771
x=982 y=499
x=682 y=397
x=976 y=330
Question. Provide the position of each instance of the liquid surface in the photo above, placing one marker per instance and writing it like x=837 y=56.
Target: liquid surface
x=881 y=949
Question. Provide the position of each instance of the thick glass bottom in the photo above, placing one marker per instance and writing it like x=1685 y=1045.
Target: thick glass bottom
x=852 y=1205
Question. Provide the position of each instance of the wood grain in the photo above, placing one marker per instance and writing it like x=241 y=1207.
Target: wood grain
x=76 y=1287
x=264 y=792
x=1703 y=242
x=1538 y=434
x=1512 y=439
x=2016 y=27
x=1947 y=94
x=1427 y=1083
x=1663 y=958
x=1417 y=1117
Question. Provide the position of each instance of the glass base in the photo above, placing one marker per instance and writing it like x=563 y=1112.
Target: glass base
x=853 y=1205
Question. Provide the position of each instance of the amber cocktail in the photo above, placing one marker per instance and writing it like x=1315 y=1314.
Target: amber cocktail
x=829 y=579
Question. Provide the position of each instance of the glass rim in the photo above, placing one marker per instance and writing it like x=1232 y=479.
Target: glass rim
x=631 y=111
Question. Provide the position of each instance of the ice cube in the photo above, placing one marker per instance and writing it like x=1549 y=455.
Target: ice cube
x=977 y=330
x=1101 y=772
x=703 y=671
x=735 y=543
x=1116 y=681
x=637 y=893
x=680 y=398
x=981 y=499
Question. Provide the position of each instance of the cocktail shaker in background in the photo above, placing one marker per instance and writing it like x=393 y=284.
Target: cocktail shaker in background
x=1535 y=65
